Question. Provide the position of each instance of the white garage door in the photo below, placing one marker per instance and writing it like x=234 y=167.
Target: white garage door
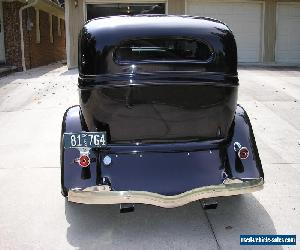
x=288 y=33
x=244 y=19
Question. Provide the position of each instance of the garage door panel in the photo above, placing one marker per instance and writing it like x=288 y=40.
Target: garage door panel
x=288 y=10
x=244 y=19
x=288 y=33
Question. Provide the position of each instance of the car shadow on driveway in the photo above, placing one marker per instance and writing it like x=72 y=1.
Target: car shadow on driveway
x=241 y=214
x=149 y=227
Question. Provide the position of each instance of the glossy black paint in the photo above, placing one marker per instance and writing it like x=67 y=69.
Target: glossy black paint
x=171 y=126
x=168 y=169
x=164 y=113
x=100 y=37
x=162 y=101
x=71 y=174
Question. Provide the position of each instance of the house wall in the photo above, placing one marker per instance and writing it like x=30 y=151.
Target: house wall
x=270 y=25
x=176 y=7
x=36 y=54
x=45 y=52
x=74 y=21
x=75 y=17
x=11 y=33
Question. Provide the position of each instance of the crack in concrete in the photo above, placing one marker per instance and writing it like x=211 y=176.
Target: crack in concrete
x=211 y=228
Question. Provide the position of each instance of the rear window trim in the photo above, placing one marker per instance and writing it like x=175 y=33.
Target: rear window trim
x=126 y=62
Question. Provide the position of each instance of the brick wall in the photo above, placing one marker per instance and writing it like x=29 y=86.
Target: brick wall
x=45 y=52
x=36 y=54
x=11 y=33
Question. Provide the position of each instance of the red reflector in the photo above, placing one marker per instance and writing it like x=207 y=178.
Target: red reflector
x=84 y=161
x=243 y=153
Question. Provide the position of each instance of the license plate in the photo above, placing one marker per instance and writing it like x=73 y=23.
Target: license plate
x=85 y=139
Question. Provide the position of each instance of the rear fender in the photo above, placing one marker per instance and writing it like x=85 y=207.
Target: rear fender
x=243 y=134
x=72 y=175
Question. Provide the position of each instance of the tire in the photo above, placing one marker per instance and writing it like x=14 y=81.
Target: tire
x=64 y=191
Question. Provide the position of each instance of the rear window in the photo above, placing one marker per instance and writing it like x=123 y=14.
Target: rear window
x=162 y=50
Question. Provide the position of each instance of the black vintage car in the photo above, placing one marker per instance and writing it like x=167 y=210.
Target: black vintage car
x=158 y=121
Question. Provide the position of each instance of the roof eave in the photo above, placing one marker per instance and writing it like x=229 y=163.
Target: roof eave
x=45 y=5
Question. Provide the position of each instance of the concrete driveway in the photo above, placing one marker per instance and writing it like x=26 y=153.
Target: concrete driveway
x=33 y=214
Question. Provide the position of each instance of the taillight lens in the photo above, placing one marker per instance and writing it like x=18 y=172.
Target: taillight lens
x=84 y=161
x=243 y=153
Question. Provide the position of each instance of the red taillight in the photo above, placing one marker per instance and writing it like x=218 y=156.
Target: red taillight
x=243 y=153
x=84 y=161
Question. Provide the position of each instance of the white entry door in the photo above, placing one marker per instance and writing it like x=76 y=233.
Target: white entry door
x=288 y=33
x=243 y=18
x=2 y=48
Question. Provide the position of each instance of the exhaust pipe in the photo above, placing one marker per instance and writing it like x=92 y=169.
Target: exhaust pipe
x=126 y=208
x=209 y=204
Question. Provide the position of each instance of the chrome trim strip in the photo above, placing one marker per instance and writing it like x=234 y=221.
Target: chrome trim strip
x=103 y=195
